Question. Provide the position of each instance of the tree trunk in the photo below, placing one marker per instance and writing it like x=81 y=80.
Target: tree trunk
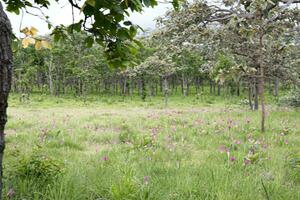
x=262 y=98
x=210 y=87
x=6 y=60
x=262 y=85
x=256 y=95
x=166 y=91
x=130 y=87
x=184 y=85
x=144 y=90
x=238 y=89
x=250 y=97
x=219 y=88
x=50 y=75
x=276 y=86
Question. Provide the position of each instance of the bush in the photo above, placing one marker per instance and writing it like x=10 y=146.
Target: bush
x=39 y=166
x=292 y=99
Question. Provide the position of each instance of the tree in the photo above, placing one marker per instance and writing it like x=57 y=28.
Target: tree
x=251 y=29
x=108 y=28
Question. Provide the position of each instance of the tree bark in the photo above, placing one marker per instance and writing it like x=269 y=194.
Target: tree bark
x=262 y=98
x=262 y=85
x=210 y=87
x=256 y=95
x=219 y=88
x=6 y=60
x=50 y=75
x=166 y=91
x=276 y=86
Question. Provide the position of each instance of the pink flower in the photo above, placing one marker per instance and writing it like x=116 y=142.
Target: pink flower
x=146 y=180
x=247 y=161
x=238 y=142
x=286 y=142
x=105 y=158
x=264 y=146
x=232 y=159
x=222 y=148
x=154 y=131
x=10 y=193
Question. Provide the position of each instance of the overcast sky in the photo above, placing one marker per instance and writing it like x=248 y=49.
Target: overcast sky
x=61 y=14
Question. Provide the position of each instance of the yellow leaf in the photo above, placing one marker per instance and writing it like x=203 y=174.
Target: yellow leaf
x=46 y=44
x=26 y=31
x=33 y=31
x=29 y=31
x=27 y=41
x=38 y=45
x=91 y=2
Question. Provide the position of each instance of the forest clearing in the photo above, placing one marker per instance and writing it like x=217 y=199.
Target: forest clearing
x=149 y=99
x=116 y=148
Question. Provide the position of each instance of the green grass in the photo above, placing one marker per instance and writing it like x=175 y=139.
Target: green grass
x=122 y=148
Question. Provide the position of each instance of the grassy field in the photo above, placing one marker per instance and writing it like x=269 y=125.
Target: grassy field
x=116 y=148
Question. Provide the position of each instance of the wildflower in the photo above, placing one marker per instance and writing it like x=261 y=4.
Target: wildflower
x=146 y=180
x=264 y=146
x=247 y=161
x=232 y=159
x=222 y=148
x=286 y=142
x=238 y=142
x=105 y=158
x=10 y=193
x=154 y=131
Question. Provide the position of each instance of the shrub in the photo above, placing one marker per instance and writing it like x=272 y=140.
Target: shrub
x=39 y=166
x=292 y=99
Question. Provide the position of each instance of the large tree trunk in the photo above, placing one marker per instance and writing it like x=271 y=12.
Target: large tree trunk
x=5 y=80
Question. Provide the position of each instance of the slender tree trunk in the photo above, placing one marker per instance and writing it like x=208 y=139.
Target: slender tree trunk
x=256 y=95
x=219 y=88
x=140 y=86
x=50 y=75
x=130 y=87
x=250 y=96
x=276 y=86
x=144 y=90
x=262 y=98
x=166 y=91
x=238 y=89
x=262 y=85
x=6 y=60
x=210 y=87
x=184 y=85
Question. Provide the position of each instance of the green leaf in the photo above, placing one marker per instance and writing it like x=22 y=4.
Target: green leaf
x=133 y=31
x=127 y=23
x=89 y=41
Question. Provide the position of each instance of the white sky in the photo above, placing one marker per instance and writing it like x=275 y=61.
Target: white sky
x=61 y=14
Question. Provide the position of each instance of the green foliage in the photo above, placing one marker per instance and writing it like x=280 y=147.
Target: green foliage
x=38 y=166
x=107 y=28
x=291 y=99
